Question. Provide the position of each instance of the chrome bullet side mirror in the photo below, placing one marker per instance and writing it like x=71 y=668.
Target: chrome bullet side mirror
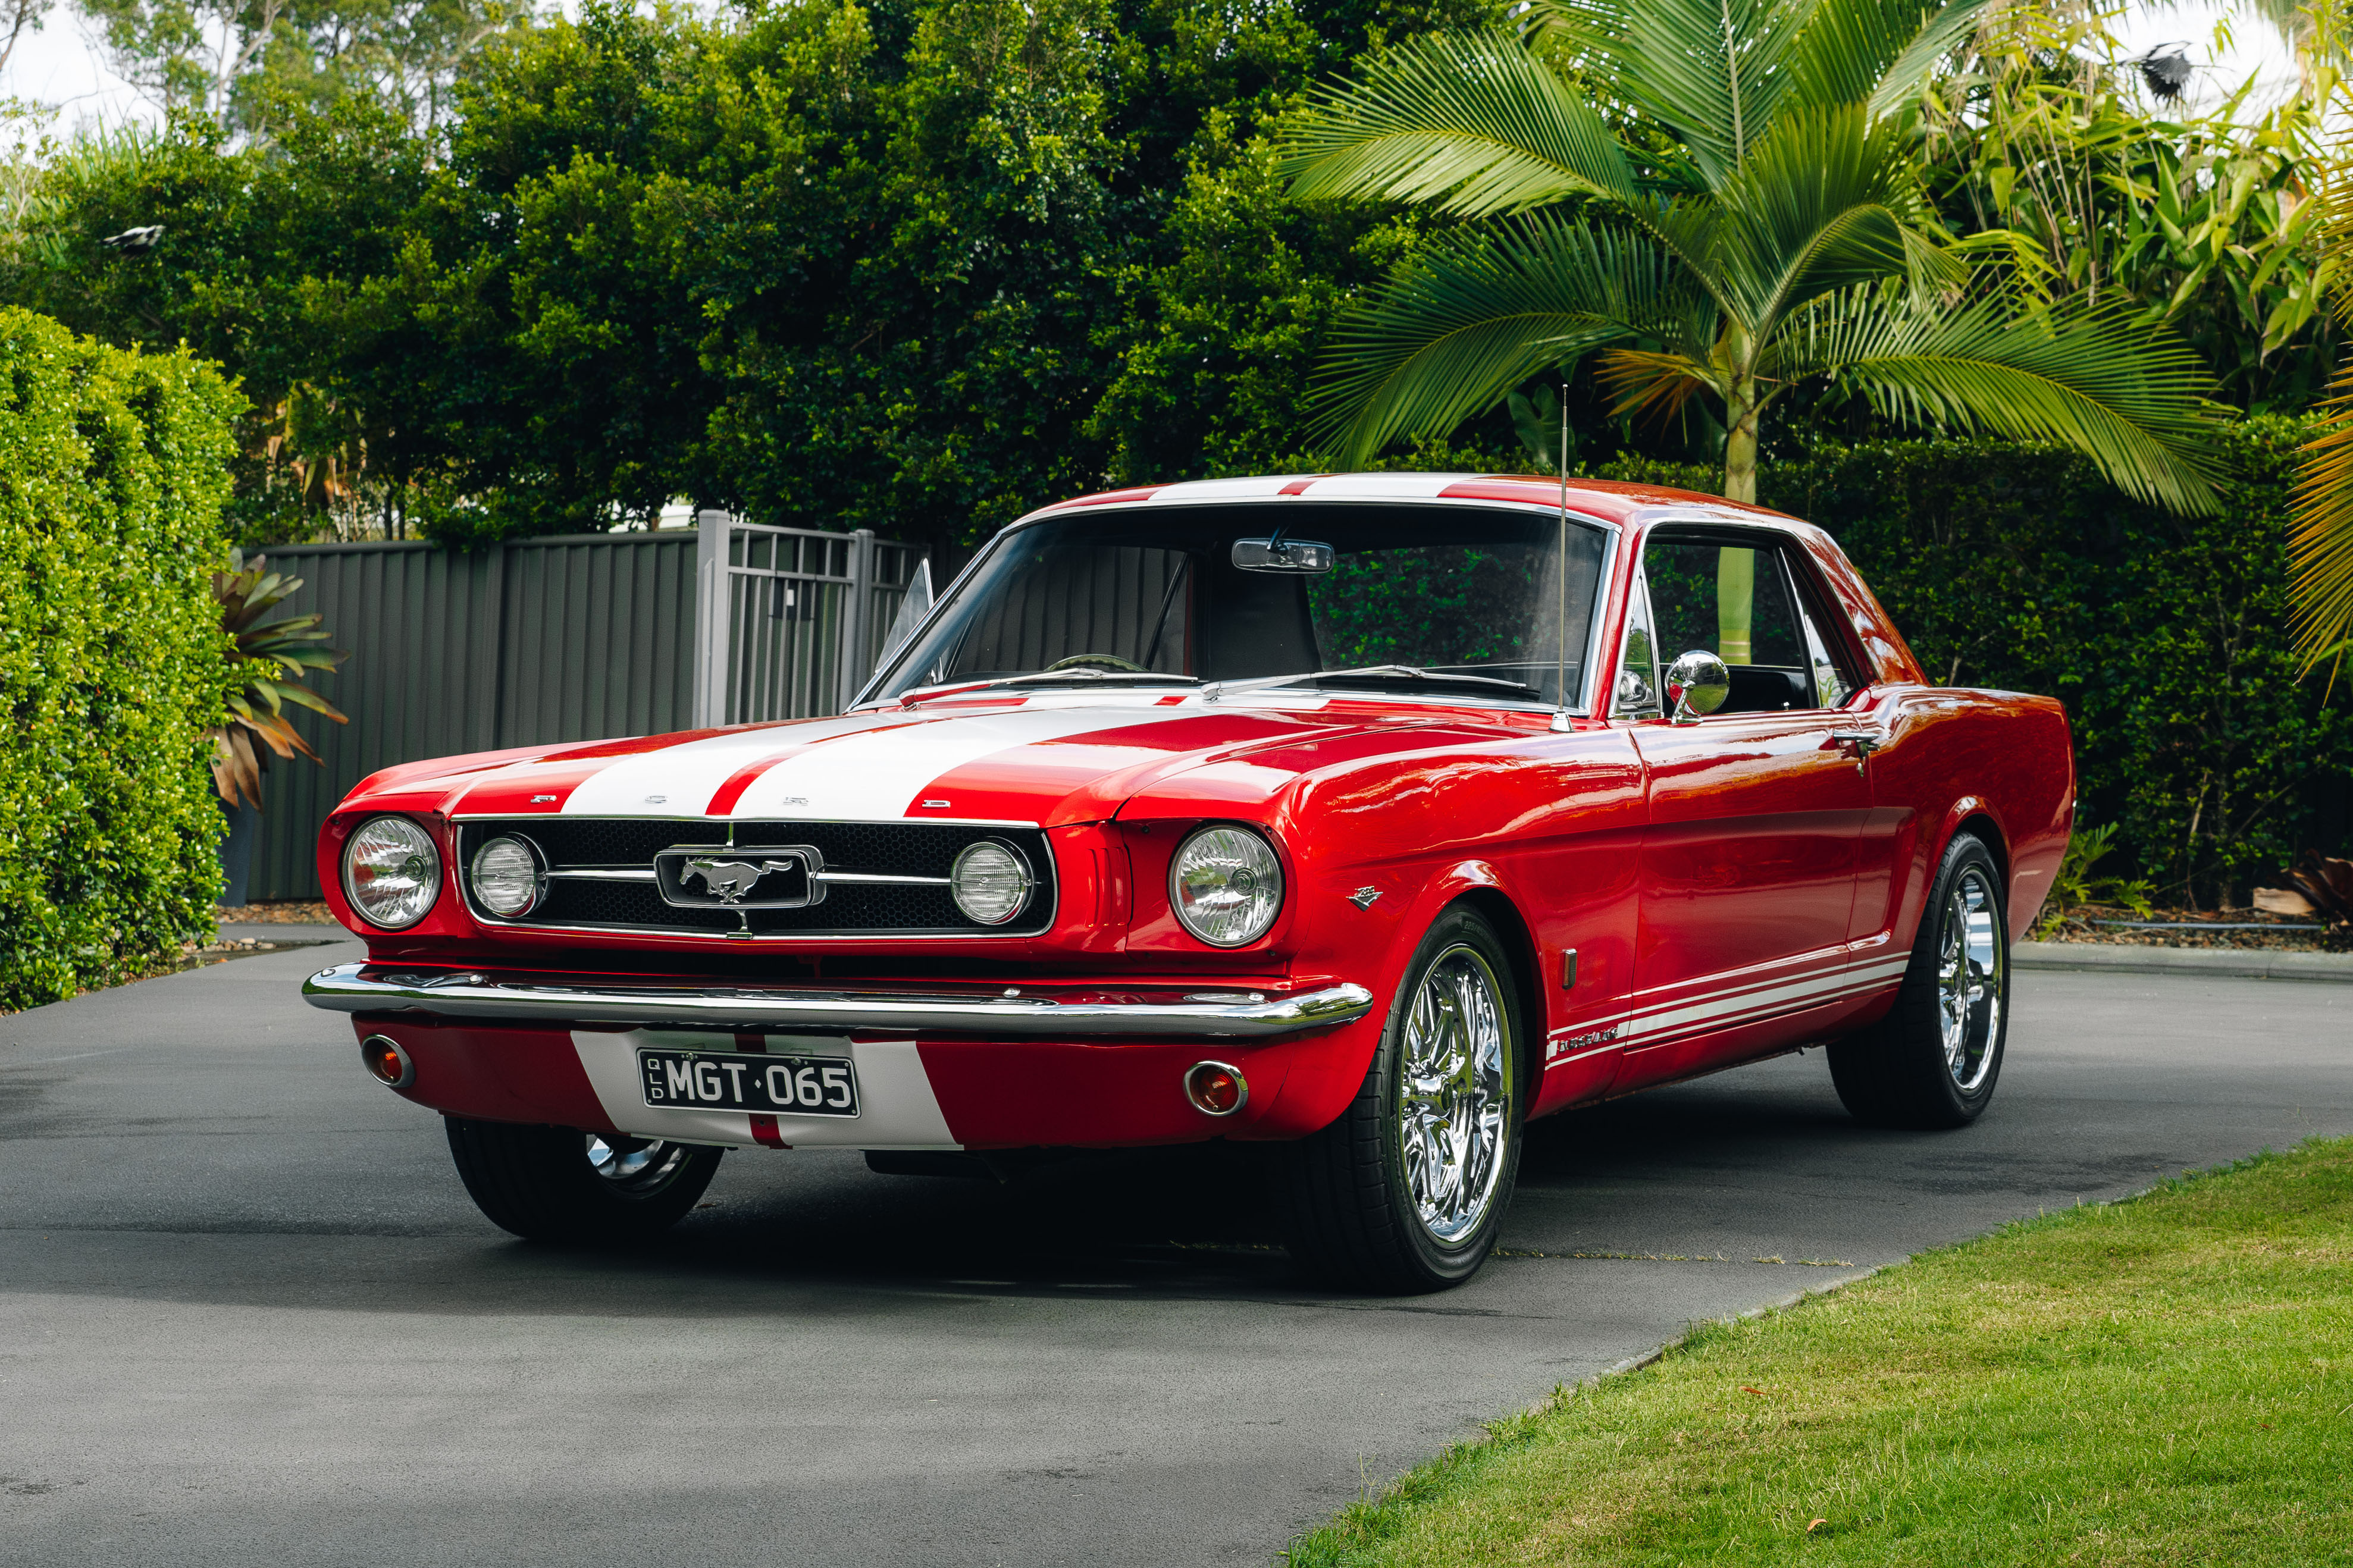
x=1697 y=684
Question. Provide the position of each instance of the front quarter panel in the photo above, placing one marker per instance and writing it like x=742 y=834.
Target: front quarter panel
x=1545 y=826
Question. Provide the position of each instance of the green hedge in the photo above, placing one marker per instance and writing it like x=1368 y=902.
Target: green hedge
x=2016 y=567
x=113 y=467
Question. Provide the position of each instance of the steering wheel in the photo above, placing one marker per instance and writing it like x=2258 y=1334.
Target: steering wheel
x=1095 y=661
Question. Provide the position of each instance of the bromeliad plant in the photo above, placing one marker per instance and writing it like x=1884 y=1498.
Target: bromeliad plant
x=270 y=662
x=2074 y=885
x=1721 y=198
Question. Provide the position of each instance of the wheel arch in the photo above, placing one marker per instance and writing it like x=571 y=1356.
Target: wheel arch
x=1970 y=813
x=1495 y=906
x=1979 y=823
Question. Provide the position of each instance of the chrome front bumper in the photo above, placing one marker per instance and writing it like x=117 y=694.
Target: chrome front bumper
x=470 y=994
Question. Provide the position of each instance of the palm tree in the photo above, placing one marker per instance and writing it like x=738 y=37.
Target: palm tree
x=1723 y=198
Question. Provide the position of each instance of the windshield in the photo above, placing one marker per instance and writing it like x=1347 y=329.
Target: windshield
x=1451 y=591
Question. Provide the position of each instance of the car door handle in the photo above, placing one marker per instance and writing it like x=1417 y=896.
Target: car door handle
x=1864 y=742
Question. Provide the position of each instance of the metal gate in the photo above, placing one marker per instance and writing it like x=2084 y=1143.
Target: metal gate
x=792 y=621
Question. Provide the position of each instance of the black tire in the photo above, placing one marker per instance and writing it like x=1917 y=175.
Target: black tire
x=1350 y=1211
x=558 y=1184
x=1909 y=1070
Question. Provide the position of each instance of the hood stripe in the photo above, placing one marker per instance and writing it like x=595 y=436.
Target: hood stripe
x=883 y=773
x=685 y=776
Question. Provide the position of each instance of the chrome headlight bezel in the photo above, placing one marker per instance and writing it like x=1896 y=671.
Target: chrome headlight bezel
x=423 y=866
x=538 y=862
x=1267 y=894
x=1022 y=870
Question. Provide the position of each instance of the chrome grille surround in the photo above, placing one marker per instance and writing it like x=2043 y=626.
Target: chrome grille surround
x=885 y=880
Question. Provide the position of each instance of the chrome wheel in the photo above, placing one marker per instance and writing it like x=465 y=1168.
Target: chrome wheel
x=1454 y=1093
x=1970 y=959
x=634 y=1164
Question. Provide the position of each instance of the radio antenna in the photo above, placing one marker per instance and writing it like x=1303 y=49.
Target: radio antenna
x=1560 y=649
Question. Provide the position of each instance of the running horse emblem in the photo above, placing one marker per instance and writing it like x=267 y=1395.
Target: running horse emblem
x=733 y=881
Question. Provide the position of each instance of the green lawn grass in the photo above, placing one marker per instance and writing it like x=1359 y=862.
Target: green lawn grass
x=2167 y=1380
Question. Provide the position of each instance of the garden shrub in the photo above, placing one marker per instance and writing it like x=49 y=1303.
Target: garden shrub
x=113 y=468
x=2016 y=567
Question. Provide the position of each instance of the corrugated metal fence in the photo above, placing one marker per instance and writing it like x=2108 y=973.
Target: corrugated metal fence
x=579 y=637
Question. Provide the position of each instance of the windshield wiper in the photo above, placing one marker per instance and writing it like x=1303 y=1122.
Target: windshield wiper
x=1081 y=677
x=1379 y=675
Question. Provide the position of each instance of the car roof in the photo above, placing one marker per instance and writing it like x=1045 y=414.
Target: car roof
x=1610 y=501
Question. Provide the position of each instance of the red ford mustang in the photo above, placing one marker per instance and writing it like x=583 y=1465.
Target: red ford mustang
x=1370 y=815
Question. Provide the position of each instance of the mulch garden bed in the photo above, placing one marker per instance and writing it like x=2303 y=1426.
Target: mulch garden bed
x=2199 y=928
x=284 y=912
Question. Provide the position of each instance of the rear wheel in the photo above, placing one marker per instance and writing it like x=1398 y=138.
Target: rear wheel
x=1933 y=1061
x=1404 y=1192
x=558 y=1184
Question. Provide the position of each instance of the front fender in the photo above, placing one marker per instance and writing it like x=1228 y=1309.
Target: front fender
x=1324 y=1075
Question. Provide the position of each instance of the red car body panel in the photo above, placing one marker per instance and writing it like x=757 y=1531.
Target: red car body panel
x=1730 y=888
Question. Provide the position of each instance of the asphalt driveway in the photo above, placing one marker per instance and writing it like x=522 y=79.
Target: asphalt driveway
x=247 y=1313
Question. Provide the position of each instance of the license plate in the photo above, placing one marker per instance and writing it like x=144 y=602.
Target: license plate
x=730 y=1080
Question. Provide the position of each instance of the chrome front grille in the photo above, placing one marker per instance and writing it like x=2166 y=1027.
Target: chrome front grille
x=601 y=876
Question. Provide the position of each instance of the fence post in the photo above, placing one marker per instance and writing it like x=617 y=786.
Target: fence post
x=713 y=611
x=861 y=610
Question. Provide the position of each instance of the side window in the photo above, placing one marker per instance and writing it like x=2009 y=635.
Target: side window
x=1731 y=594
x=1834 y=677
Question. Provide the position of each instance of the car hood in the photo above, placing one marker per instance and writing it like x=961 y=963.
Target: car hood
x=1045 y=759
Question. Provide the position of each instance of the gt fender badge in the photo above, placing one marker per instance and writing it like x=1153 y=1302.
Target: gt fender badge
x=1583 y=1042
x=1363 y=897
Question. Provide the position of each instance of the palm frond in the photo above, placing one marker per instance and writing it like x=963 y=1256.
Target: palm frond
x=1591 y=31
x=2129 y=399
x=1716 y=71
x=1474 y=124
x=1825 y=201
x=2320 y=530
x=1876 y=54
x=1659 y=385
x=1482 y=312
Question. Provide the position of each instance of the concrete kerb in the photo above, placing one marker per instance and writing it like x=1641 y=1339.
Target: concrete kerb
x=2256 y=964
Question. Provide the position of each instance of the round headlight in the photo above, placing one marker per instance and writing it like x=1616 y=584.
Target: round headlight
x=990 y=883
x=507 y=880
x=1226 y=884
x=392 y=873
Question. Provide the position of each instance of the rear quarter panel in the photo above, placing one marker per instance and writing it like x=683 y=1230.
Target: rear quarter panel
x=1999 y=762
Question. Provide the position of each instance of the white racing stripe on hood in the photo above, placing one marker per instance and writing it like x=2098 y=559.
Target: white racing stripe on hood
x=686 y=775
x=880 y=775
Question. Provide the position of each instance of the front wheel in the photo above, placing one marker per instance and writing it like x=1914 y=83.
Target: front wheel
x=558 y=1184
x=1933 y=1061
x=1404 y=1193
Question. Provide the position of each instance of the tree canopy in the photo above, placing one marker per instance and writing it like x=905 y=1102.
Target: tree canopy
x=919 y=265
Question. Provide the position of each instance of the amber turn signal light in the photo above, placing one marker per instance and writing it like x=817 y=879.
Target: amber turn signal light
x=387 y=1061
x=1216 y=1089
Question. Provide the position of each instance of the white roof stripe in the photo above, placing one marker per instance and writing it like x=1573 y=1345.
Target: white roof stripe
x=1385 y=486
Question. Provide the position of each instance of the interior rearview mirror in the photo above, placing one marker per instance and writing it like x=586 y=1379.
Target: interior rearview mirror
x=1697 y=684
x=1300 y=556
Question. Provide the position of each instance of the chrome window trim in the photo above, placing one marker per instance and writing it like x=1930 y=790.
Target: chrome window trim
x=1782 y=543
x=1639 y=587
